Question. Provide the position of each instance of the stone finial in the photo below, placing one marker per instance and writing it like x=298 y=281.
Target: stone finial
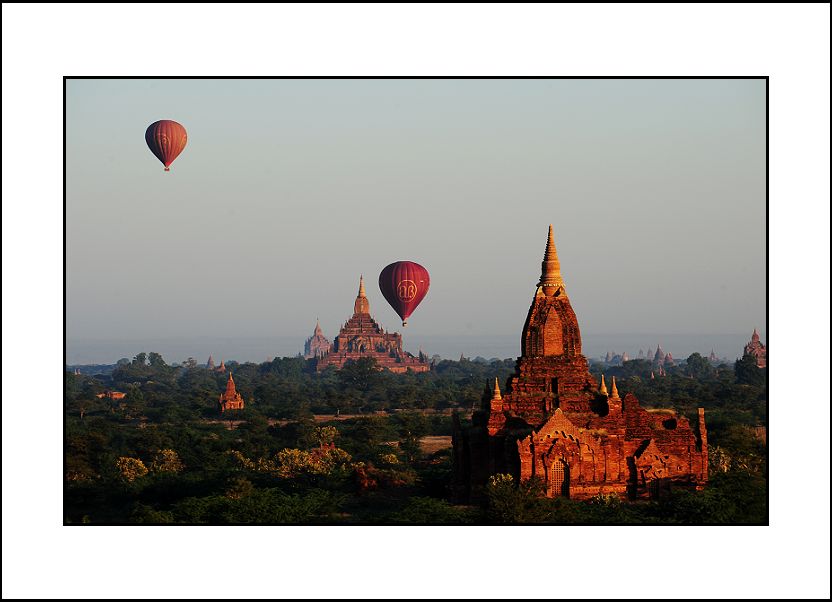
x=755 y=337
x=614 y=393
x=550 y=278
x=496 y=395
x=361 y=291
x=603 y=388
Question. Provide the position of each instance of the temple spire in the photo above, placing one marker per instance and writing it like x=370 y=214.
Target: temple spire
x=603 y=388
x=362 y=305
x=496 y=389
x=614 y=393
x=550 y=278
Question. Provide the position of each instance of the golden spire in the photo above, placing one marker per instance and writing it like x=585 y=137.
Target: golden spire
x=550 y=278
x=497 y=389
x=603 y=388
x=362 y=305
x=614 y=394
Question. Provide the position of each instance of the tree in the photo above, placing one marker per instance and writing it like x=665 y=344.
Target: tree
x=748 y=373
x=512 y=503
x=361 y=374
x=698 y=366
x=130 y=469
x=167 y=460
x=156 y=360
x=412 y=427
x=325 y=435
x=140 y=359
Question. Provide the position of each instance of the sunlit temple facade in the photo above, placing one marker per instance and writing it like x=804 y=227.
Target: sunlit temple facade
x=557 y=424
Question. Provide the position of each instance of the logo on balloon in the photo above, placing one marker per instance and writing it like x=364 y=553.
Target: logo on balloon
x=406 y=290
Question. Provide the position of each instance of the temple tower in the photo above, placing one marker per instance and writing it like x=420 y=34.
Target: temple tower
x=231 y=400
x=551 y=327
x=317 y=345
x=555 y=423
x=756 y=349
x=361 y=336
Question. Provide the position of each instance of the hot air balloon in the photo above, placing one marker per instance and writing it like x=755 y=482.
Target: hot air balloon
x=166 y=140
x=404 y=284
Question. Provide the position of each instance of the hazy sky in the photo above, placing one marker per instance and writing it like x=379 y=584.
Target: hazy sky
x=289 y=189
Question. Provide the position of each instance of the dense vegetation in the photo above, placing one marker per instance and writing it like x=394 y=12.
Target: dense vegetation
x=163 y=454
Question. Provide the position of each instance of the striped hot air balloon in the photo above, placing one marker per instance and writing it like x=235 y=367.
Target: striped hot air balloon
x=166 y=139
x=404 y=284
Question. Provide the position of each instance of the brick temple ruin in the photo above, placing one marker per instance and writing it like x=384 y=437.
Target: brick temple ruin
x=556 y=423
x=361 y=336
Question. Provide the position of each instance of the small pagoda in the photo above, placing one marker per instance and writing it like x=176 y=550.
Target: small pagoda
x=317 y=345
x=231 y=400
x=756 y=349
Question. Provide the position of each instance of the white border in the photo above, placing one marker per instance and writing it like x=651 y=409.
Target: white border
x=41 y=44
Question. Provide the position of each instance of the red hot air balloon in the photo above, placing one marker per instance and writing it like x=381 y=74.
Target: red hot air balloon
x=166 y=140
x=404 y=284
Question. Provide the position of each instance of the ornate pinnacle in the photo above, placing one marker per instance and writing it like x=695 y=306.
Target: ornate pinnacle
x=603 y=388
x=550 y=277
x=614 y=394
x=497 y=389
x=362 y=305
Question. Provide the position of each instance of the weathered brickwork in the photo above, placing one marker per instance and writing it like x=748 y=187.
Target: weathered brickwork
x=361 y=337
x=556 y=423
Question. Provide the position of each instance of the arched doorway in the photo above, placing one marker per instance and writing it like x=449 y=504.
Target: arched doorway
x=559 y=478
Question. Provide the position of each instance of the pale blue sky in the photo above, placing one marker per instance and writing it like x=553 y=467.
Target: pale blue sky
x=289 y=189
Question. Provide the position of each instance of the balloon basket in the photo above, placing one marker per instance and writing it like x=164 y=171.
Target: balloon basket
x=167 y=169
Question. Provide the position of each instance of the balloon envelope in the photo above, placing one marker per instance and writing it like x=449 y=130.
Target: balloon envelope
x=166 y=139
x=404 y=284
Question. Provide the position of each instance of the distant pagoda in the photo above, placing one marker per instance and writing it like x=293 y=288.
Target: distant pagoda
x=361 y=336
x=757 y=350
x=317 y=345
x=658 y=359
x=231 y=400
